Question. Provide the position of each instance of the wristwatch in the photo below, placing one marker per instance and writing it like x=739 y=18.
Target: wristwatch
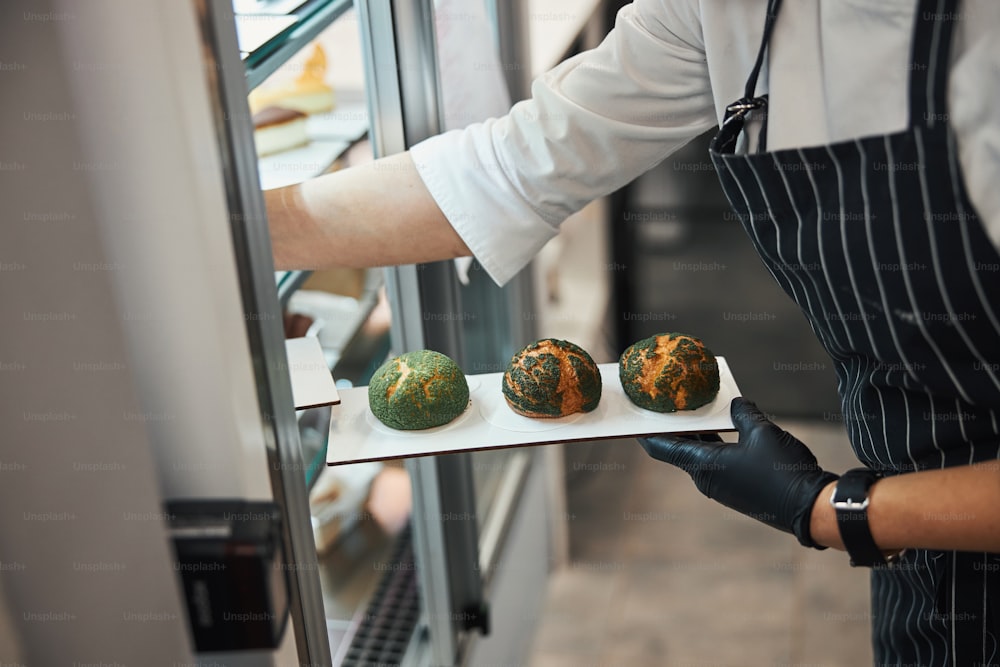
x=850 y=501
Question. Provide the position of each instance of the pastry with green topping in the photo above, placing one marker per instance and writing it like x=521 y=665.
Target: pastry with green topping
x=418 y=390
x=669 y=372
x=552 y=378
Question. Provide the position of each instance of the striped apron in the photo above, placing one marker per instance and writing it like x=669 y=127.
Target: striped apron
x=877 y=241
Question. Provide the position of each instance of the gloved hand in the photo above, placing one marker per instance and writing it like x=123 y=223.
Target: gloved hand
x=768 y=475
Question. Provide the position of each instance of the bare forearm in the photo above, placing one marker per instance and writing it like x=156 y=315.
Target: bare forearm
x=955 y=508
x=377 y=214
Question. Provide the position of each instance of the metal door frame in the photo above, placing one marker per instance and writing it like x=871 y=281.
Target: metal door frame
x=400 y=54
x=228 y=93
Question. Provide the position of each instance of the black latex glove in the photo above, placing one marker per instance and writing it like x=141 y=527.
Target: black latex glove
x=769 y=475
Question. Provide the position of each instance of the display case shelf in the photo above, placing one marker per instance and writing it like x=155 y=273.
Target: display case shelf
x=288 y=282
x=312 y=18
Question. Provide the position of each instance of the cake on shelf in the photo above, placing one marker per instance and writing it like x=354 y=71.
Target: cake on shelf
x=308 y=92
x=276 y=129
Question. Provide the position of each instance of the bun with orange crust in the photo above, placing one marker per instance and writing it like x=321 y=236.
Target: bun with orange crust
x=669 y=372
x=552 y=378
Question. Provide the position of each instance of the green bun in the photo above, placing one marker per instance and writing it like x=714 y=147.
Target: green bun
x=669 y=372
x=551 y=378
x=418 y=390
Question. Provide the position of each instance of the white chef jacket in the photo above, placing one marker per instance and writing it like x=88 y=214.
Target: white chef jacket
x=837 y=70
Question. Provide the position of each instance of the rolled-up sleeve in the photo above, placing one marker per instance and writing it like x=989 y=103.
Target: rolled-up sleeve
x=593 y=124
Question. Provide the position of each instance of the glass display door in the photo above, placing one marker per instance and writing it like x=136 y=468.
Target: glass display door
x=463 y=503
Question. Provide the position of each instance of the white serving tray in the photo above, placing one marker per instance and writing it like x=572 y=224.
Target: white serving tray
x=488 y=423
x=348 y=121
x=312 y=383
x=299 y=164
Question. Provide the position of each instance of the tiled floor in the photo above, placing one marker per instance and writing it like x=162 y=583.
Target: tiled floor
x=661 y=576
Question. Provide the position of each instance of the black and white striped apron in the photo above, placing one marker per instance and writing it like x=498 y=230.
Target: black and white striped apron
x=878 y=243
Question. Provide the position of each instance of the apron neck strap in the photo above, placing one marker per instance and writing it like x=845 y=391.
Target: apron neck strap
x=773 y=6
x=930 y=58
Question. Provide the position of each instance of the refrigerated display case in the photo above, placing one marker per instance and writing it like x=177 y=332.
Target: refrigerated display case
x=420 y=595
x=171 y=204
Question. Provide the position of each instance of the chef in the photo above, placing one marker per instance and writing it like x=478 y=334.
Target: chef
x=859 y=144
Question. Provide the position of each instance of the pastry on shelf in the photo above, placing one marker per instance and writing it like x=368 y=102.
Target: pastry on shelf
x=308 y=92
x=276 y=129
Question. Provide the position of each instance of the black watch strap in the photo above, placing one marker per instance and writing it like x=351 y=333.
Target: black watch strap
x=850 y=500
